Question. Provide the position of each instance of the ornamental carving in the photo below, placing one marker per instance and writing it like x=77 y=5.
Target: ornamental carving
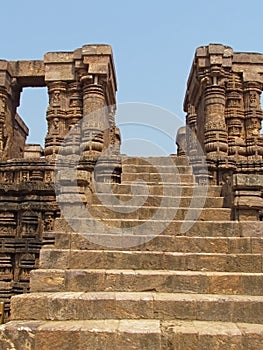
x=225 y=93
x=78 y=84
x=2 y=106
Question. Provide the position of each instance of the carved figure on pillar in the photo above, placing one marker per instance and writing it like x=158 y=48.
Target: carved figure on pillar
x=56 y=117
x=3 y=108
x=235 y=117
x=215 y=127
x=74 y=115
x=74 y=112
x=253 y=118
x=49 y=221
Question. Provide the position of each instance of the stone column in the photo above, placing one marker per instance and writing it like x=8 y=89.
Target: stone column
x=194 y=149
x=108 y=167
x=191 y=136
x=215 y=126
x=74 y=115
x=235 y=118
x=3 y=108
x=253 y=118
x=74 y=112
x=56 y=117
x=94 y=119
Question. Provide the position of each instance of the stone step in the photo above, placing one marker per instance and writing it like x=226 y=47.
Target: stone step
x=197 y=335
x=137 y=305
x=153 y=178
x=164 y=243
x=81 y=335
x=130 y=335
x=123 y=199
x=159 y=189
x=157 y=161
x=162 y=169
x=98 y=229
x=164 y=281
x=116 y=259
x=145 y=213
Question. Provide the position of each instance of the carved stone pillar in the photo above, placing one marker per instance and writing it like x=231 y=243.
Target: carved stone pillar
x=253 y=118
x=108 y=167
x=215 y=126
x=3 y=107
x=94 y=119
x=56 y=117
x=235 y=118
x=74 y=115
x=191 y=137
x=181 y=141
x=74 y=112
x=111 y=138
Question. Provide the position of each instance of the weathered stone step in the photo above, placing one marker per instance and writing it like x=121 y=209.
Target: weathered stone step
x=81 y=335
x=158 y=161
x=157 y=178
x=91 y=226
x=137 y=305
x=130 y=335
x=199 y=335
x=163 y=243
x=165 y=189
x=114 y=259
x=164 y=281
x=162 y=169
x=109 y=199
x=145 y=213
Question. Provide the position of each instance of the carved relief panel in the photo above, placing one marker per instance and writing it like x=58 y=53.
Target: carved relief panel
x=29 y=224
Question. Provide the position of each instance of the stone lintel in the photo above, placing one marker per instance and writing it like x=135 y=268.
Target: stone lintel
x=28 y=73
x=27 y=68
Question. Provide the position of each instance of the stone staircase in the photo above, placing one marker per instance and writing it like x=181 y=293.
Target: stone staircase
x=160 y=266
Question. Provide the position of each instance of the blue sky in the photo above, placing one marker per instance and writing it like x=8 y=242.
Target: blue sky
x=153 y=43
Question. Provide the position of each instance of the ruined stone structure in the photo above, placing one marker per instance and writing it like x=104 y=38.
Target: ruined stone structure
x=178 y=267
x=224 y=114
x=78 y=84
